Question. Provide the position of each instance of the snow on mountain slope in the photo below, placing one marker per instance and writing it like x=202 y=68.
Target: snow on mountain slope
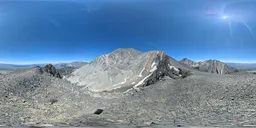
x=124 y=68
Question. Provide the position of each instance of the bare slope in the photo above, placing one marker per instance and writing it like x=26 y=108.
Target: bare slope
x=125 y=68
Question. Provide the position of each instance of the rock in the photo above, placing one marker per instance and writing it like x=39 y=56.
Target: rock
x=52 y=71
x=98 y=111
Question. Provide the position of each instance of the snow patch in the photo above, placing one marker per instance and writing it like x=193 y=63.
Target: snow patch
x=142 y=81
x=140 y=75
x=153 y=64
x=153 y=69
x=133 y=82
x=120 y=82
x=128 y=90
x=172 y=67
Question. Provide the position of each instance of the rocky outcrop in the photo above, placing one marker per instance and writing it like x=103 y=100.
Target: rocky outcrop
x=50 y=69
x=125 y=68
x=211 y=66
x=163 y=69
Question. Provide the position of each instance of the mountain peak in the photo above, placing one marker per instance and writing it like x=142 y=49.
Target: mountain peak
x=127 y=68
x=125 y=50
x=185 y=59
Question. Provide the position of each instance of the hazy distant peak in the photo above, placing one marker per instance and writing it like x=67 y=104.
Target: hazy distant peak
x=211 y=66
x=186 y=59
x=125 y=51
x=76 y=64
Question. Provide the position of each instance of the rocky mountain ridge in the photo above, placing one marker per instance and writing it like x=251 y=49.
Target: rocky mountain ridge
x=125 y=68
x=211 y=66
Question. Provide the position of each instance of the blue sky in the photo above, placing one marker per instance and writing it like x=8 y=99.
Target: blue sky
x=80 y=30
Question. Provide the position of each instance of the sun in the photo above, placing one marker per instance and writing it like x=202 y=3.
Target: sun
x=225 y=17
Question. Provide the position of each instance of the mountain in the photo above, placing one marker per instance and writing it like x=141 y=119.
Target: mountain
x=126 y=68
x=74 y=65
x=188 y=62
x=67 y=68
x=211 y=66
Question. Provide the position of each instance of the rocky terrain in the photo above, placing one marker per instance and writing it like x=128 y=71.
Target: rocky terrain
x=211 y=66
x=38 y=97
x=126 y=68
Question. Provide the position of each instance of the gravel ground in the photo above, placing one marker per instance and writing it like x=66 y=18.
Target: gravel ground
x=202 y=99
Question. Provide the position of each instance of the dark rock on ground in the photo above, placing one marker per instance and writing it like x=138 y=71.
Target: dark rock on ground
x=98 y=111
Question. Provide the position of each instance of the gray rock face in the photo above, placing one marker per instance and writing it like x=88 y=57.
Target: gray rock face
x=65 y=71
x=211 y=66
x=125 y=68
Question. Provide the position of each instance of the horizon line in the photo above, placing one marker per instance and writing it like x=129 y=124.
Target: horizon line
x=56 y=62
x=39 y=63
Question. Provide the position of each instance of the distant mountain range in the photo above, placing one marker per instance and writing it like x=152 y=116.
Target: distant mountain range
x=73 y=65
x=211 y=66
x=243 y=66
x=15 y=67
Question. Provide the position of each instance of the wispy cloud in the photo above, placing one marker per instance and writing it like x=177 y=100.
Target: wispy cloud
x=55 y=22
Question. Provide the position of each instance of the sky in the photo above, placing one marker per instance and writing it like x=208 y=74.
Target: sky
x=51 y=31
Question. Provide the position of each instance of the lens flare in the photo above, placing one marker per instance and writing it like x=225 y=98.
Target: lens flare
x=230 y=29
x=232 y=19
x=224 y=17
x=249 y=29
